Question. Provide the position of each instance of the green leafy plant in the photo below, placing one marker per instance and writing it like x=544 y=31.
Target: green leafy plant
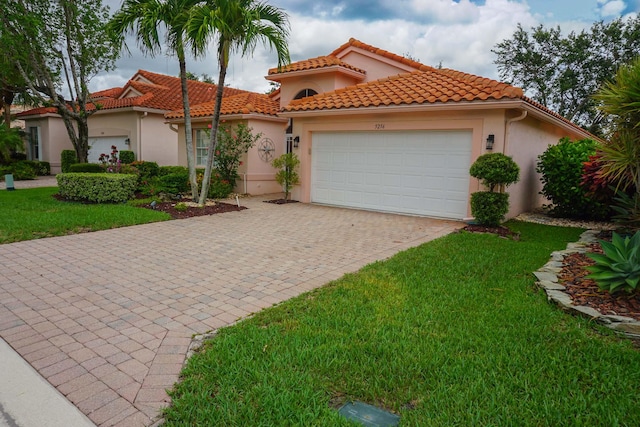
x=175 y=183
x=97 y=187
x=68 y=158
x=287 y=176
x=561 y=166
x=127 y=157
x=494 y=170
x=85 y=167
x=181 y=207
x=233 y=143
x=10 y=141
x=619 y=267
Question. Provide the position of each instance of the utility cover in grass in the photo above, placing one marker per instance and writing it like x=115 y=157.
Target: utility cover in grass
x=368 y=415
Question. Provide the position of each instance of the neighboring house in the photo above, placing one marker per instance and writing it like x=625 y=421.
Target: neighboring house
x=130 y=118
x=383 y=132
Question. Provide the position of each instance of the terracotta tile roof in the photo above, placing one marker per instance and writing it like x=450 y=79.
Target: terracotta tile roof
x=150 y=90
x=418 y=87
x=37 y=111
x=244 y=103
x=315 y=63
x=386 y=54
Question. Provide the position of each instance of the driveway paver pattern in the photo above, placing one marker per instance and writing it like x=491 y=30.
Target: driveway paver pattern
x=107 y=317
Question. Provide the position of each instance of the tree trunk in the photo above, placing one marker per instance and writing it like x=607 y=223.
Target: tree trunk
x=213 y=139
x=188 y=133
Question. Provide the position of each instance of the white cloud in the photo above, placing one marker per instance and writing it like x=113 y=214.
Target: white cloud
x=612 y=8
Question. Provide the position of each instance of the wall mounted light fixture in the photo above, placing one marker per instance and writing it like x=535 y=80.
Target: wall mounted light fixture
x=490 y=140
x=296 y=142
x=127 y=141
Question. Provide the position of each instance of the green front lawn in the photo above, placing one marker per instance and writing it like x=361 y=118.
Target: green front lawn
x=452 y=333
x=33 y=213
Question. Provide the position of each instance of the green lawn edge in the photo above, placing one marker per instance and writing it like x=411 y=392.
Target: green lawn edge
x=453 y=332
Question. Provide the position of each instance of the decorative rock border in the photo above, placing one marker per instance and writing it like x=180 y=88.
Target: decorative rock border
x=547 y=277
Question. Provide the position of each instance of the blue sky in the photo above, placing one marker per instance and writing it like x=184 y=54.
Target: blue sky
x=458 y=33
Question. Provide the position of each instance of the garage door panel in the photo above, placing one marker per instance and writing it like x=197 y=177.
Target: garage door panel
x=423 y=173
x=102 y=145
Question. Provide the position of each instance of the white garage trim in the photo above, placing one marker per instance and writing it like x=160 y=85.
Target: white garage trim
x=411 y=172
x=103 y=144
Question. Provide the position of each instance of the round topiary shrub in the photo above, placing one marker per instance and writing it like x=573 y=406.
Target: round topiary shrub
x=493 y=170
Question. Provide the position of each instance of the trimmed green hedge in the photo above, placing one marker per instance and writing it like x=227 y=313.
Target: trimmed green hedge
x=127 y=157
x=67 y=158
x=85 y=167
x=97 y=187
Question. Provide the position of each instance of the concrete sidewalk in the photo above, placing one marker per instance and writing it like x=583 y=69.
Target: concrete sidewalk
x=27 y=399
x=107 y=317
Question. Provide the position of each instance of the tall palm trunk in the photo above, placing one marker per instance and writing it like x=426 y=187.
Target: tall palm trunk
x=213 y=138
x=188 y=133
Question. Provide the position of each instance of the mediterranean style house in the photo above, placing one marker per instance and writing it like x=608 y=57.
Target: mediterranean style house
x=373 y=130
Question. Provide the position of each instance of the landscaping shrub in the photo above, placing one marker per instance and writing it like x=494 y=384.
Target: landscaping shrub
x=175 y=183
x=494 y=170
x=146 y=169
x=219 y=188
x=489 y=208
x=41 y=168
x=85 y=167
x=127 y=157
x=167 y=170
x=287 y=176
x=68 y=158
x=561 y=166
x=23 y=170
x=18 y=156
x=233 y=143
x=97 y=187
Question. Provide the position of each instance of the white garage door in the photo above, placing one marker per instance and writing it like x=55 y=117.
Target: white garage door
x=103 y=144
x=422 y=172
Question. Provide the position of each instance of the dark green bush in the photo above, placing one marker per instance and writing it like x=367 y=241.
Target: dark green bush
x=67 y=158
x=97 y=187
x=41 y=168
x=127 y=157
x=489 y=208
x=561 y=166
x=219 y=188
x=23 y=170
x=175 y=183
x=495 y=169
x=146 y=169
x=167 y=170
x=86 y=167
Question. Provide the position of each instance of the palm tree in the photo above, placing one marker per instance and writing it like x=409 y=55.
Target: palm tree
x=237 y=26
x=144 y=17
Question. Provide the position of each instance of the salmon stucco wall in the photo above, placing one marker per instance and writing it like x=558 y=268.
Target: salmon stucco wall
x=527 y=139
x=256 y=176
x=480 y=122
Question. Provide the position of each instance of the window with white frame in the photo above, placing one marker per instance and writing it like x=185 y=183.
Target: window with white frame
x=202 y=143
x=34 y=143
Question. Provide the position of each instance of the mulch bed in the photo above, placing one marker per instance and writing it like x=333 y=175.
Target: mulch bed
x=499 y=230
x=586 y=292
x=170 y=208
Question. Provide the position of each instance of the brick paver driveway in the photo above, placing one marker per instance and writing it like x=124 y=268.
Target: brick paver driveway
x=107 y=317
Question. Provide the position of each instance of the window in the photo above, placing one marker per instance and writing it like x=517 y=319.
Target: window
x=202 y=142
x=304 y=93
x=34 y=143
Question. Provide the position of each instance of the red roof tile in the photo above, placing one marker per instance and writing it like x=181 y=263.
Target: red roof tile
x=418 y=87
x=315 y=63
x=244 y=103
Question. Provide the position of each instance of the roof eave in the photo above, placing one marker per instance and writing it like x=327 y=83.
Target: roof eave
x=255 y=116
x=314 y=71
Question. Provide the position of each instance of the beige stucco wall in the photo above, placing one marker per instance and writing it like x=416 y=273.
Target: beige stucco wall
x=320 y=82
x=53 y=139
x=377 y=68
x=256 y=176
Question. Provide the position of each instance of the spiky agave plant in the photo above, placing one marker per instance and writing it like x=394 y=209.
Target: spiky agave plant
x=619 y=267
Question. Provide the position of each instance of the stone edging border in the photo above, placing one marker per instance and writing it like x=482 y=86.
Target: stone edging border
x=548 y=280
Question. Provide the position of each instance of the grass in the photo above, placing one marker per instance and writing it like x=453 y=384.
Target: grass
x=452 y=333
x=33 y=213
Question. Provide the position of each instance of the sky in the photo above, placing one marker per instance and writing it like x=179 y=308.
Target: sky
x=459 y=34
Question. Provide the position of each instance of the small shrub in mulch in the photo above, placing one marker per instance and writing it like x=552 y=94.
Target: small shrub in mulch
x=499 y=230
